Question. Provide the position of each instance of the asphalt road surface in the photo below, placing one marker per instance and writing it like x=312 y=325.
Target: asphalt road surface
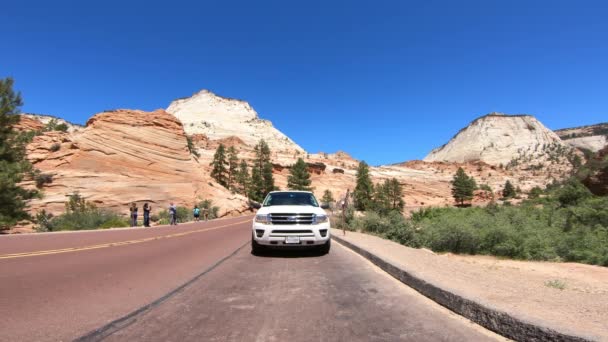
x=93 y=279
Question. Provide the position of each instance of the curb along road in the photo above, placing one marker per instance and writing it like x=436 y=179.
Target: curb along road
x=500 y=322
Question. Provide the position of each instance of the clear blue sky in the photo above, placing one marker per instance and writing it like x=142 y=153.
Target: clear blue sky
x=386 y=81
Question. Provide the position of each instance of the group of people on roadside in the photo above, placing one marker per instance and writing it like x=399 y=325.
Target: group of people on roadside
x=196 y=213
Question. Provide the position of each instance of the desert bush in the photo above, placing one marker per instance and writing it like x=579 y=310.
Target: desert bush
x=214 y=211
x=55 y=147
x=90 y=219
x=42 y=178
x=568 y=224
x=54 y=125
x=79 y=214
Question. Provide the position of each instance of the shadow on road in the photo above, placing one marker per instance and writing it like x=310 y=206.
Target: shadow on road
x=289 y=253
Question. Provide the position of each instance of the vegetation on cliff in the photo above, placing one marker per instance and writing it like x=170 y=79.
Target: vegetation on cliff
x=13 y=164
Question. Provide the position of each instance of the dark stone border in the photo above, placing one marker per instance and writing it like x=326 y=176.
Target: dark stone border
x=122 y=322
x=497 y=321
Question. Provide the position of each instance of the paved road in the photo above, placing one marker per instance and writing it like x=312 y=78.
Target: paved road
x=276 y=297
x=63 y=293
x=296 y=297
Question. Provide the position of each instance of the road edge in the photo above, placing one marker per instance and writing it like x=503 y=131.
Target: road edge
x=124 y=321
x=497 y=321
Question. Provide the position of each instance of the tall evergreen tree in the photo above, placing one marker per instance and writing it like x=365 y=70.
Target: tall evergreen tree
x=388 y=196
x=509 y=190
x=219 y=163
x=328 y=197
x=299 y=177
x=380 y=202
x=242 y=178
x=394 y=193
x=233 y=165
x=364 y=189
x=13 y=163
x=463 y=186
x=262 y=180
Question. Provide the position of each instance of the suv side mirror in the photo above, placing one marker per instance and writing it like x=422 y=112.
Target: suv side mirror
x=255 y=205
x=325 y=206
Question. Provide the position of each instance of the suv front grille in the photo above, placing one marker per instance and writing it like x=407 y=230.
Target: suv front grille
x=291 y=218
x=291 y=231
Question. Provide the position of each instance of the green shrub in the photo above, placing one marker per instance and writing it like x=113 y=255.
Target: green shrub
x=79 y=214
x=42 y=178
x=90 y=219
x=535 y=192
x=55 y=147
x=568 y=224
x=213 y=211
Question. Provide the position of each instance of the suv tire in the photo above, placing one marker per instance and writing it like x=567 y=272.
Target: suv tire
x=256 y=248
x=324 y=249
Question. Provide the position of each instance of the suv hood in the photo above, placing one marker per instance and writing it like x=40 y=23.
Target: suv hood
x=291 y=209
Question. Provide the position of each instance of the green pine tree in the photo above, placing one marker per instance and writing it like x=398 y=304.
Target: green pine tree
x=13 y=164
x=233 y=165
x=380 y=202
x=328 y=197
x=509 y=190
x=394 y=191
x=219 y=172
x=388 y=196
x=463 y=186
x=364 y=189
x=262 y=180
x=299 y=177
x=242 y=178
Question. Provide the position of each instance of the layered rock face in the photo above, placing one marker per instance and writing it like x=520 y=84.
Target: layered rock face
x=592 y=137
x=45 y=119
x=497 y=139
x=217 y=118
x=125 y=156
x=27 y=123
x=129 y=156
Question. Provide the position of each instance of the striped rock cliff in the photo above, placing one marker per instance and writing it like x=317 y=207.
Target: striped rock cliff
x=125 y=156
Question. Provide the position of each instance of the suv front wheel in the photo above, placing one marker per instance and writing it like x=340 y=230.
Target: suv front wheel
x=256 y=248
x=324 y=249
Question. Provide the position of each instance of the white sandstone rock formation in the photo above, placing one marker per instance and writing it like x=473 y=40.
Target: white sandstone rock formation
x=218 y=118
x=497 y=139
x=592 y=137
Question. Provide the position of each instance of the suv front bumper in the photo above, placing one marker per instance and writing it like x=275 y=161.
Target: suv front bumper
x=287 y=235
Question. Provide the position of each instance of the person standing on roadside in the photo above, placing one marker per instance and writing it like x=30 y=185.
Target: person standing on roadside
x=147 y=210
x=173 y=214
x=196 y=212
x=133 y=210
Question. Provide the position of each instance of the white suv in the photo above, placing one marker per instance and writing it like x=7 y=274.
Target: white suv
x=290 y=219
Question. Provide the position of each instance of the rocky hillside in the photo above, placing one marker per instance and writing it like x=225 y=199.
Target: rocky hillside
x=592 y=137
x=216 y=117
x=496 y=139
x=128 y=156
x=43 y=120
x=121 y=157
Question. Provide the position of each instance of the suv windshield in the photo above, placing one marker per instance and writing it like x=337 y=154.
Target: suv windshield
x=290 y=198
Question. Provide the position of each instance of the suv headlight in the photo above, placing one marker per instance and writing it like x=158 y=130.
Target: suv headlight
x=319 y=219
x=265 y=219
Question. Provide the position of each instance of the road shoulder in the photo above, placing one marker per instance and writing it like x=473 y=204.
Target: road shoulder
x=501 y=295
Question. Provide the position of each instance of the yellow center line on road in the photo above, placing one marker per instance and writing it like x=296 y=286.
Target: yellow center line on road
x=114 y=244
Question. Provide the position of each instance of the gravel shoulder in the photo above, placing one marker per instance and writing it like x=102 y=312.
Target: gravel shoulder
x=531 y=291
